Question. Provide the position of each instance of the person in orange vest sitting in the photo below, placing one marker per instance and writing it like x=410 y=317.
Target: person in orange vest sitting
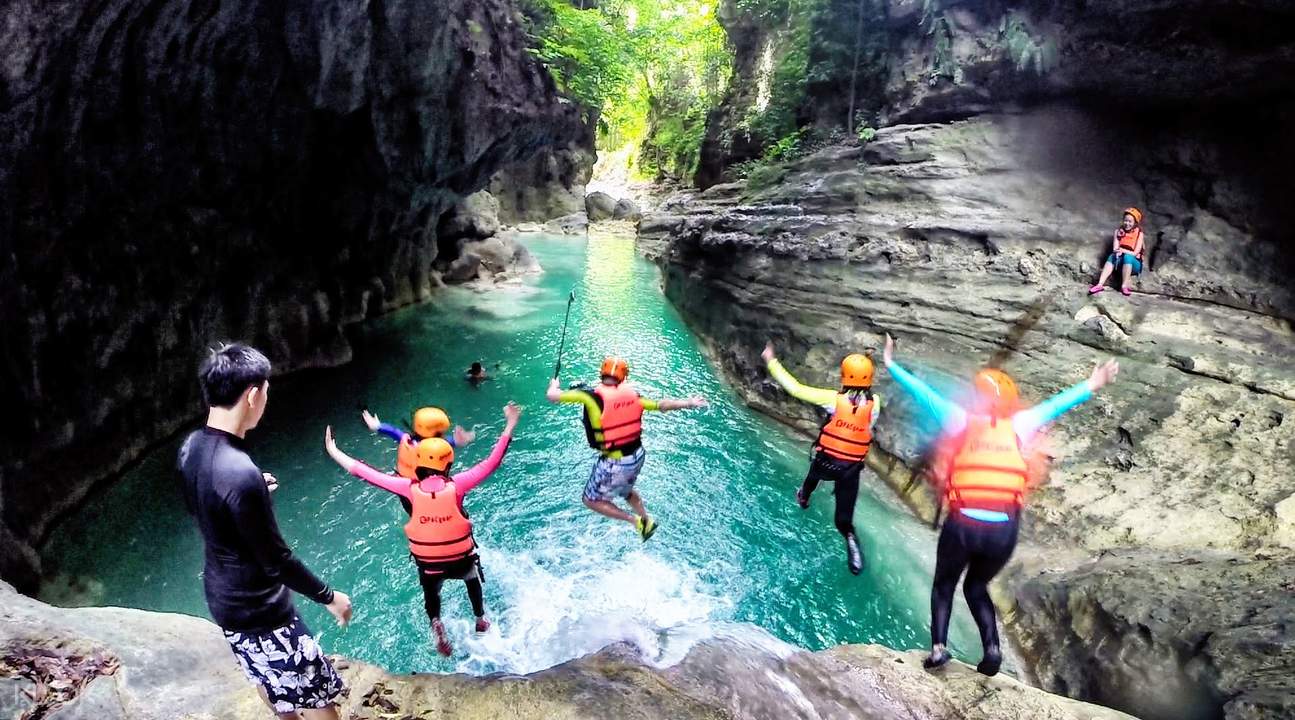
x=986 y=470
x=1127 y=245
x=428 y=422
x=843 y=441
x=613 y=420
x=438 y=530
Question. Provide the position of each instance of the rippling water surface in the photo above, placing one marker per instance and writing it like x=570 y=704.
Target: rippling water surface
x=733 y=548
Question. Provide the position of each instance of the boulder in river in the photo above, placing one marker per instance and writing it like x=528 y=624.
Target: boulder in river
x=473 y=217
x=573 y=224
x=599 y=206
x=626 y=209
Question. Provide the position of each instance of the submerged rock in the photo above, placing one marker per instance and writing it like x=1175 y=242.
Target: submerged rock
x=178 y=666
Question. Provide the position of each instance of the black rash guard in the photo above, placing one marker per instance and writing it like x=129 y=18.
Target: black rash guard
x=248 y=568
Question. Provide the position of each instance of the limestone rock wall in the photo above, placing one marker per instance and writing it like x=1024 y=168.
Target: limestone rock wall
x=977 y=240
x=176 y=174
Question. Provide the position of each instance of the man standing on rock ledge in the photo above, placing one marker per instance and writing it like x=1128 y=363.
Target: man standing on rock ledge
x=843 y=441
x=984 y=471
x=249 y=570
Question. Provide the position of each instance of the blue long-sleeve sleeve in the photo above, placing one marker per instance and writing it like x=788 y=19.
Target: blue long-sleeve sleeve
x=1028 y=422
x=952 y=419
x=391 y=431
x=396 y=434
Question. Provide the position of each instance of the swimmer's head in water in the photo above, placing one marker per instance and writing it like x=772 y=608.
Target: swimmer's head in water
x=430 y=422
x=856 y=371
x=996 y=393
x=476 y=368
x=615 y=369
x=434 y=455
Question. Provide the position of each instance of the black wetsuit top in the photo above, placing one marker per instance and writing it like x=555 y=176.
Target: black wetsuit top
x=249 y=570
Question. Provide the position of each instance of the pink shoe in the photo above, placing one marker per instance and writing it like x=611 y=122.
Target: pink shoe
x=482 y=624
x=443 y=645
x=1127 y=292
x=1096 y=289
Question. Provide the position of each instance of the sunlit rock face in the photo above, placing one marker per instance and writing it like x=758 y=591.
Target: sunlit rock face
x=970 y=228
x=182 y=173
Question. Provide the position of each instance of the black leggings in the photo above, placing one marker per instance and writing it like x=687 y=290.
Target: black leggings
x=980 y=548
x=432 y=590
x=846 y=476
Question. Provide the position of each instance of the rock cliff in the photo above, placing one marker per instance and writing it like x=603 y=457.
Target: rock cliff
x=176 y=174
x=169 y=666
x=1159 y=556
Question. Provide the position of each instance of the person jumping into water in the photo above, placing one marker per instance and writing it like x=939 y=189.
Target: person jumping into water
x=428 y=422
x=613 y=416
x=984 y=482
x=438 y=530
x=1127 y=245
x=843 y=441
x=249 y=573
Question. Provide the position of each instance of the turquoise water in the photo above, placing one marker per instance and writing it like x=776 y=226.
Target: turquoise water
x=733 y=547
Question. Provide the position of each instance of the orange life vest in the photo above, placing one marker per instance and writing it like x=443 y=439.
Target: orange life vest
x=1129 y=239
x=438 y=531
x=622 y=417
x=847 y=435
x=989 y=471
x=406 y=459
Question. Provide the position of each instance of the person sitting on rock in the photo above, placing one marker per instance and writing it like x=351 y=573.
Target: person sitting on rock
x=438 y=530
x=843 y=441
x=476 y=374
x=1126 y=253
x=984 y=475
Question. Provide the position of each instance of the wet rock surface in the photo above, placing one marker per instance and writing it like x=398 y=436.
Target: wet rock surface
x=183 y=173
x=176 y=666
x=976 y=241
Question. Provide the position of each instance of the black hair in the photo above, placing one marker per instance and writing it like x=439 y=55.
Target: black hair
x=229 y=371
x=476 y=367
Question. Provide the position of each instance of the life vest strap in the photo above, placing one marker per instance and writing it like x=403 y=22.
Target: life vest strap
x=848 y=441
x=990 y=468
x=442 y=542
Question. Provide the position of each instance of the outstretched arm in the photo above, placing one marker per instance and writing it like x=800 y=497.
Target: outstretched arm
x=823 y=397
x=390 y=483
x=465 y=481
x=671 y=404
x=554 y=393
x=372 y=422
x=952 y=418
x=1028 y=422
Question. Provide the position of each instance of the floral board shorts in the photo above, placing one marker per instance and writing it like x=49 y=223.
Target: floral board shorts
x=289 y=665
x=614 y=478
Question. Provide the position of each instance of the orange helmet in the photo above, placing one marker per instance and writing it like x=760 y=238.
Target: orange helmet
x=614 y=367
x=997 y=391
x=430 y=422
x=856 y=371
x=1136 y=213
x=435 y=454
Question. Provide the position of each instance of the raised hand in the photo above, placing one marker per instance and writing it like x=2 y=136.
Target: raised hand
x=1103 y=374
x=512 y=413
x=889 y=353
x=767 y=353
x=271 y=482
x=370 y=420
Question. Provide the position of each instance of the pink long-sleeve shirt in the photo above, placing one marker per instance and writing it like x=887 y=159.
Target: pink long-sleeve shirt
x=464 y=482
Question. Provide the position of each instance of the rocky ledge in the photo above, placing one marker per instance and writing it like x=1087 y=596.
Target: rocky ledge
x=1160 y=552
x=161 y=666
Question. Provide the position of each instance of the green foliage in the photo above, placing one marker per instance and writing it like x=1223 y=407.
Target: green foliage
x=762 y=177
x=1022 y=49
x=653 y=69
x=867 y=134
